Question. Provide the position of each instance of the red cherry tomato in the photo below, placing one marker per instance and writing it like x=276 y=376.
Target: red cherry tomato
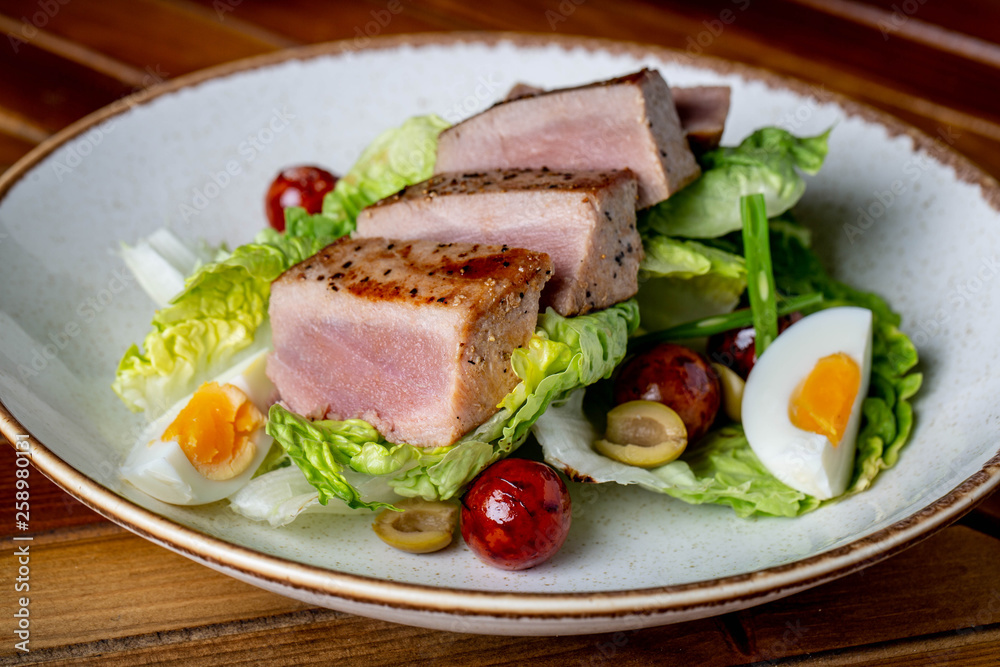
x=516 y=514
x=302 y=186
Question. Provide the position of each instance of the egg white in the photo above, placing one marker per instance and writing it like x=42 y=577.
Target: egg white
x=806 y=461
x=161 y=469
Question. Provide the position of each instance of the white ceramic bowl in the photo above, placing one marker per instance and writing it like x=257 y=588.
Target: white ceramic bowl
x=894 y=211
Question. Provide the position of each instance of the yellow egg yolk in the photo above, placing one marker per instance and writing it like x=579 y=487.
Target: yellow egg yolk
x=214 y=429
x=822 y=402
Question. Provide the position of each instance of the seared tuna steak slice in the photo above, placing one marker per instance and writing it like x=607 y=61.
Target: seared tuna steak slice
x=624 y=123
x=414 y=337
x=523 y=90
x=584 y=220
x=703 y=111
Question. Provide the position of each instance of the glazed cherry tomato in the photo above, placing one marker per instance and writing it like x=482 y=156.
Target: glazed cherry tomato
x=678 y=377
x=516 y=514
x=735 y=348
x=302 y=186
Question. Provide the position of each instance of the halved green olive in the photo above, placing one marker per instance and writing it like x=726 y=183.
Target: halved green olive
x=732 y=392
x=644 y=434
x=421 y=527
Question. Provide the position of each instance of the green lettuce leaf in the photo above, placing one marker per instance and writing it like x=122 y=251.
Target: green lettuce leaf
x=722 y=468
x=682 y=280
x=322 y=449
x=563 y=355
x=219 y=314
x=767 y=162
x=397 y=158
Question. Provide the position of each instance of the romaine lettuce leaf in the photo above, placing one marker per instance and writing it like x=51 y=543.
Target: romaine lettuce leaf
x=162 y=261
x=682 y=280
x=322 y=450
x=397 y=158
x=563 y=355
x=284 y=493
x=218 y=315
x=767 y=162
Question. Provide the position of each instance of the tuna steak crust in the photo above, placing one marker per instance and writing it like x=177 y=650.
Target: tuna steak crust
x=414 y=337
x=625 y=123
x=584 y=220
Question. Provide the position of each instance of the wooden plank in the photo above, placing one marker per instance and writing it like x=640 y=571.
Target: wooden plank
x=121 y=595
x=51 y=507
x=21 y=128
x=895 y=21
x=11 y=150
x=161 y=39
x=970 y=649
x=113 y=593
x=49 y=91
x=948 y=583
x=958 y=82
x=72 y=51
x=96 y=589
x=361 y=641
x=355 y=20
x=965 y=16
x=986 y=517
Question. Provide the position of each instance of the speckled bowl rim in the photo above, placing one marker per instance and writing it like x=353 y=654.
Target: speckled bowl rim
x=681 y=601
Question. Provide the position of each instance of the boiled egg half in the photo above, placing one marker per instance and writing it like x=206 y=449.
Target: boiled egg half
x=802 y=401
x=209 y=445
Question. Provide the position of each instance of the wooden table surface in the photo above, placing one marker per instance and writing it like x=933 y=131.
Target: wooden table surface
x=101 y=595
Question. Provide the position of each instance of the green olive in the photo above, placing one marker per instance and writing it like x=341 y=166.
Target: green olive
x=732 y=392
x=644 y=434
x=421 y=527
